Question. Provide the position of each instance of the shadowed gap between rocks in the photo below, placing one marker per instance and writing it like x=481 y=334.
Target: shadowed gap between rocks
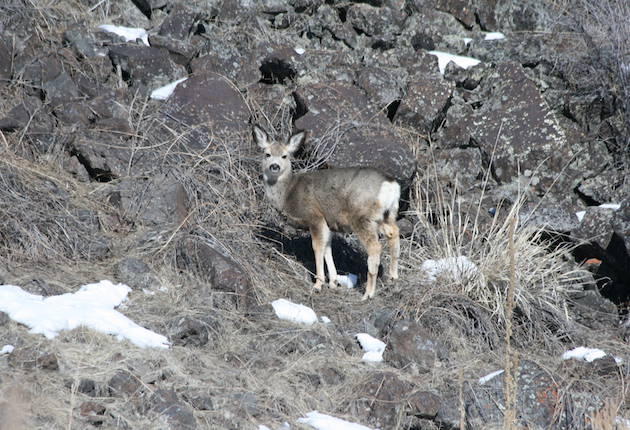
x=347 y=258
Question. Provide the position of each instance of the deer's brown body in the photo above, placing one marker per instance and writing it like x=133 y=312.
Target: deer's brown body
x=355 y=199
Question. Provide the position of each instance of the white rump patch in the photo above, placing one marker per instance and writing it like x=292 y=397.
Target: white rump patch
x=389 y=195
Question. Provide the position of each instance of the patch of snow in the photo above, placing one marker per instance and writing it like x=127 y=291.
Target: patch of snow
x=467 y=40
x=299 y=50
x=321 y=421
x=494 y=35
x=324 y=319
x=130 y=34
x=289 y=311
x=580 y=215
x=7 y=349
x=262 y=427
x=348 y=281
x=583 y=353
x=91 y=306
x=148 y=292
x=165 y=92
x=613 y=206
x=373 y=347
x=444 y=58
x=489 y=376
x=457 y=267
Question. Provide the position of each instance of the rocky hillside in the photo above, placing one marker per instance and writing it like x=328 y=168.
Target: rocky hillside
x=506 y=123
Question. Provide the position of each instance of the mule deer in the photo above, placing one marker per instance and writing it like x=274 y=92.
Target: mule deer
x=358 y=199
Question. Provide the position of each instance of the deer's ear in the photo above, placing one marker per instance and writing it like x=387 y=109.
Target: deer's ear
x=261 y=137
x=296 y=141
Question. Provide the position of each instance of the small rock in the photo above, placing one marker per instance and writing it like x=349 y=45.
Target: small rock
x=124 y=383
x=94 y=412
x=188 y=331
x=29 y=358
x=178 y=414
x=409 y=344
x=135 y=273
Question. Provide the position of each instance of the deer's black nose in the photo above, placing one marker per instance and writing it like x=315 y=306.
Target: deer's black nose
x=274 y=167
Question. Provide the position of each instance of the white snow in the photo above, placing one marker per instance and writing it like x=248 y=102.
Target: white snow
x=373 y=347
x=583 y=353
x=7 y=349
x=128 y=33
x=467 y=40
x=298 y=50
x=91 y=306
x=324 y=319
x=165 y=92
x=263 y=427
x=580 y=215
x=321 y=421
x=489 y=376
x=494 y=35
x=459 y=268
x=613 y=206
x=348 y=281
x=444 y=58
x=289 y=311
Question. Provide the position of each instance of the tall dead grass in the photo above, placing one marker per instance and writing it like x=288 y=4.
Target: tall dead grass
x=543 y=277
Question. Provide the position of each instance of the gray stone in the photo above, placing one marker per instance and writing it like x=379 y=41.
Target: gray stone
x=188 y=331
x=516 y=126
x=159 y=201
x=29 y=358
x=410 y=346
x=178 y=414
x=61 y=89
x=82 y=41
x=145 y=65
x=211 y=102
x=30 y=113
x=136 y=274
x=351 y=132
x=382 y=22
x=596 y=226
x=594 y=311
x=537 y=398
x=124 y=383
x=383 y=85
x=382 y=400
x=424 y=103
x=222 y=272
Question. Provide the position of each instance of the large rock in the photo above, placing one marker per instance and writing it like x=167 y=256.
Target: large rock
x=210 y=105
x=145 y=66
x=222 y=273
x=348 y=131
x=381 y=22
x=411 y=346
x=537 y=400
x=515 y=126
x=424 y=103
x=159 y=201
x=178 y=414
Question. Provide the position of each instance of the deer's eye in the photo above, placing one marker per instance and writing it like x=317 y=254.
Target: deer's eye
x=284 y=156
x=267 y=155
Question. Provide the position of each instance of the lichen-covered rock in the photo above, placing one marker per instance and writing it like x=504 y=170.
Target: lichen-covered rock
x=211 y=102
x=537 y=400
x=349 y=131
x=146 y=66
x=410 y=346
x=424 y=102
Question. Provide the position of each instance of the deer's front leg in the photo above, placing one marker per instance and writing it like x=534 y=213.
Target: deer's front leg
x=319 y=236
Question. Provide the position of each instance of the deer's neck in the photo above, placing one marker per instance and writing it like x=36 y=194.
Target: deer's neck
x=277 y=193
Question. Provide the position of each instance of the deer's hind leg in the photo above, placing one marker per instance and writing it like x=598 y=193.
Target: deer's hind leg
x=390 y=229
x=369 y=237
x=330 y=263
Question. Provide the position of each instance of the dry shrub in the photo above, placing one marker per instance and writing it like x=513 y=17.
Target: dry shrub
x=544 y=276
